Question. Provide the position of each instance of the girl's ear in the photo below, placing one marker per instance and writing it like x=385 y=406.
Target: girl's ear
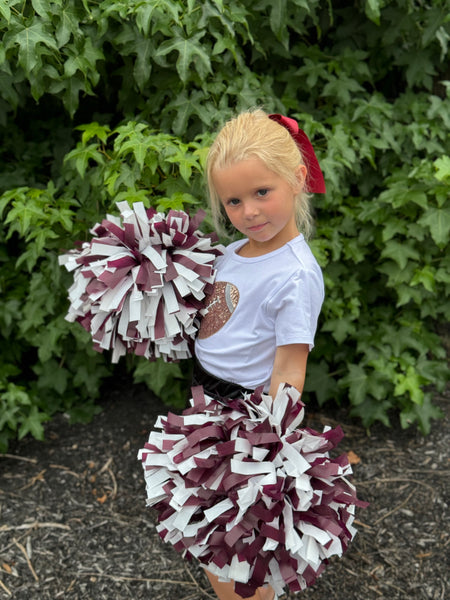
x=300 y=174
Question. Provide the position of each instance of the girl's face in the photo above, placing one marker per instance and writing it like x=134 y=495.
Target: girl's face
x=259 y=203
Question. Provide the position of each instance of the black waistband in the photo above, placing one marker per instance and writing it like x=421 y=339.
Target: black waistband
x=214 y=386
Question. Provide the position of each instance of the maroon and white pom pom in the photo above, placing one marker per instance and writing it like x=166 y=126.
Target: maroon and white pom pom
x=141 y=281
x=255 y=498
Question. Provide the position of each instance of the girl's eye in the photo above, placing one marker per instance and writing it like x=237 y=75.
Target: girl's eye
x=233 y=201
x=263 y=192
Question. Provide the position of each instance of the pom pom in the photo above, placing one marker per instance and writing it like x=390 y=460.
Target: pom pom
x=256 y=499
x=140 y=282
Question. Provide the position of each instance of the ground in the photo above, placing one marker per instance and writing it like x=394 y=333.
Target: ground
x=73 y=522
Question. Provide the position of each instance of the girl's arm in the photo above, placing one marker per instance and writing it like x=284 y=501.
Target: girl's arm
x=289 y=366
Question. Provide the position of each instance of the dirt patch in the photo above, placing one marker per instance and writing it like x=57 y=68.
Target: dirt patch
x=73 y=522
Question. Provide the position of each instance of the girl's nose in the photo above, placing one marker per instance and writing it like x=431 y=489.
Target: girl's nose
x=250 y=209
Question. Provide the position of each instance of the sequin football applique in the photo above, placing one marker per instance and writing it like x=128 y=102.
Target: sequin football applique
x=219 y=307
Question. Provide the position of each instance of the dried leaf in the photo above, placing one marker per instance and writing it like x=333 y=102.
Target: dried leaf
x=424 y=554
x=353 y=458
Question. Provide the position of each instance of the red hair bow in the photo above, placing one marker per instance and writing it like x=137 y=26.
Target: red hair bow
x=316 y=183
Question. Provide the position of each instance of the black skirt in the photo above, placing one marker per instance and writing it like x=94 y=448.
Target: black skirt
x=214 y=386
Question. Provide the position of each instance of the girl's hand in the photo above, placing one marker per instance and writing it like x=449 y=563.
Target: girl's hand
x=289 y=367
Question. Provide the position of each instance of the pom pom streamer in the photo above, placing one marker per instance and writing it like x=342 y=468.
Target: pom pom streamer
x=140 y=282
x=256 y=499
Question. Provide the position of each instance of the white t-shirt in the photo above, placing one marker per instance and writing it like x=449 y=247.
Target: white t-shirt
x=258 y=304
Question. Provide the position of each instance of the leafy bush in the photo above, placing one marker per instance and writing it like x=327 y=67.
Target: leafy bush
x=111 y=101
x=47 y=364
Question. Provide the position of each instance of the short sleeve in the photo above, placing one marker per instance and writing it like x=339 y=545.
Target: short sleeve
x=295 y=308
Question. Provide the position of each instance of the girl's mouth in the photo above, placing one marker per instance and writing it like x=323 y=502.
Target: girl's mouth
x=257 y=227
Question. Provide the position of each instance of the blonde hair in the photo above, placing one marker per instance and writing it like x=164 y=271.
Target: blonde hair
x=253 y=134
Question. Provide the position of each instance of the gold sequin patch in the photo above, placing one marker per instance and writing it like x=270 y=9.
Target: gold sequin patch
x=220 y=305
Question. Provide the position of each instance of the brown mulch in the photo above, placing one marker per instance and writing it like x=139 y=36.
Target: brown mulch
x=73 y=522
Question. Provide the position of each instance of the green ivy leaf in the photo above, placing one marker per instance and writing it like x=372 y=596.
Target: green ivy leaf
x=42 y=7
x=145 y=13
x=400 y=253
x=443 y=37
x=145 y=49
x=138 y=146
x=421 y=68
x=357 y=382
x=50 y=340
x=190 y=51
x=81 y=155
x=51 y=376
x=423 y=414
x=442 y=166
x=178 y=201
x=84 y=60
x=370 y=412
x=10 y=404
x=94 y=130
x=342 y=87
x=132 y=196
x=72 y=87
x=24 y=216
x=341 y=328
x=32 y=423
x=278 y=15
x=34 y=249
x=394 y=227
x=31 y=40
x=68 y=25
x=443 y=275
x=83 y=413
x=10 y=195
x=166 y=380
x=5 y=10
x=187 y=106
x=438 y=222
x=410 y=382
x=372 y=8
x=320 y=382
x=186 y=162
x=425 y=276
x=406 y=336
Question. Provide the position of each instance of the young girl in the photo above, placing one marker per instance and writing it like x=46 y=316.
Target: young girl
x=236 y=483
x=262 y=315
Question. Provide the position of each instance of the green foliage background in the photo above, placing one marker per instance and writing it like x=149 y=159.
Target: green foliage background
x=108 y=100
